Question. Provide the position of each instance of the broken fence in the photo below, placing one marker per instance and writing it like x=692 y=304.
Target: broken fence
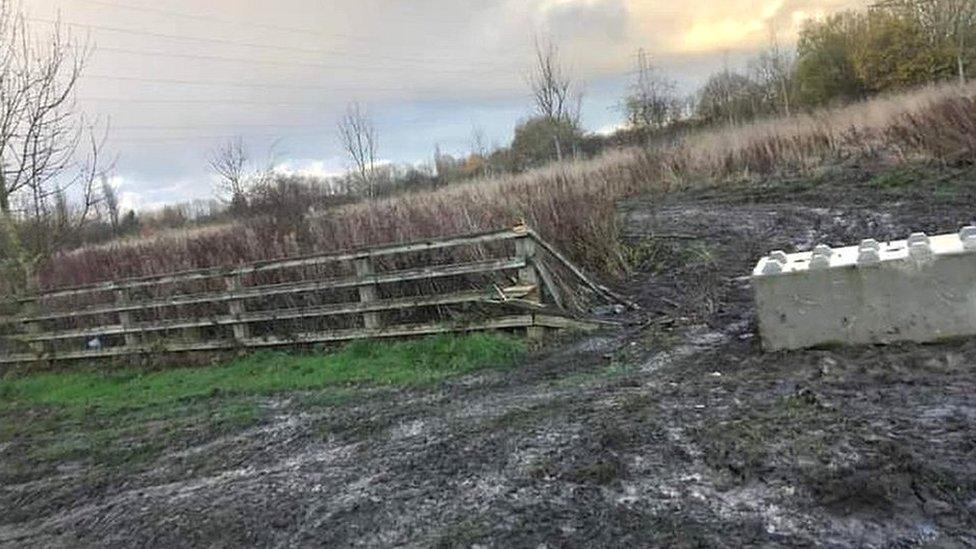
x=506 y=279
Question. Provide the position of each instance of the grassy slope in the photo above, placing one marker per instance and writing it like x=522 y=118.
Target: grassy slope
x=130 y=416
x=572 y=203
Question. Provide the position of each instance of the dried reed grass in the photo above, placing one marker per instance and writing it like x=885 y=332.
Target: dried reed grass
x=571 y=204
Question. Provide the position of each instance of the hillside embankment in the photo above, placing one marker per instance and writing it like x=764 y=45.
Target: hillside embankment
x=570 y=204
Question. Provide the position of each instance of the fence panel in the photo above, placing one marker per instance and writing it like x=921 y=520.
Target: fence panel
x=462 y=283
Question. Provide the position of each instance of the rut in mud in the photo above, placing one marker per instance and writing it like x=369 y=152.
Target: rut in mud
x=676 y=429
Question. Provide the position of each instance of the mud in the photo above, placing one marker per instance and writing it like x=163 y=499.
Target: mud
x=676 y=430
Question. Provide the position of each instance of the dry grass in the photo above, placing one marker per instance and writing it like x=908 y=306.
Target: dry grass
x=571 y=204
x=898 y=127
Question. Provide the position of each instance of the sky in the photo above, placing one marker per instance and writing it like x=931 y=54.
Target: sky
x=173 y=79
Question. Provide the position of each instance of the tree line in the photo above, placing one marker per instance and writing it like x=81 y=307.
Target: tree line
x=892 y=46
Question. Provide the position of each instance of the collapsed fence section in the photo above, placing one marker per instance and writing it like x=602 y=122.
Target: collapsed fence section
x=507 y=279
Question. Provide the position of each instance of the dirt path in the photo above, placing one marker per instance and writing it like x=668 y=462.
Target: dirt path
x=677 y=430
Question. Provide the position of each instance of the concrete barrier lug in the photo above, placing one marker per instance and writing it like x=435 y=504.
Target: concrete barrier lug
x=918 y=238
x=868 y=257
x=920 y=251
x=822 y=249
x=772 y=267
x=870 y=244
x=819 y=263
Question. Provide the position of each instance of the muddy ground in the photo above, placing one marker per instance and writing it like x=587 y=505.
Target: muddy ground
x=676 y=430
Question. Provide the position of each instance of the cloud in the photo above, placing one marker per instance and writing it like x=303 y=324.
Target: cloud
x=322 y=168
x=178 y=79
x=572 y=20
x=129 y=200
x=610 y=129
x=701 y=26
x=129 y=196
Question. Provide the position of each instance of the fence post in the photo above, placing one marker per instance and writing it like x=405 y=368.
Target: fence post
x=528 y=276
x=367 y=293
x=33 y=328
x=236 y=306
x=125 y=318
x=33 y=286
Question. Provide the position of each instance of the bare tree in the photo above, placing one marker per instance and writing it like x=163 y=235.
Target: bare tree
x=556 y=95
x=358 y=137
x=958 y=22
x=111 y=201
x=479 y=146
x=653 y=101
x=229 y=162
x=772 y=69
x=48 y=150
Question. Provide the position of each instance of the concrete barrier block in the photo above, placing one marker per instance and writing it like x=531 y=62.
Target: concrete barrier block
x=919 y=289
x=968 y=237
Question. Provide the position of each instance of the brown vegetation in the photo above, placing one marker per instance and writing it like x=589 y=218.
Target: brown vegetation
x=572 y=204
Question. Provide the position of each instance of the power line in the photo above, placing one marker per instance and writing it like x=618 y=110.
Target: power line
x=179 y=138
x=319 y=125
x=291 y=63
x=324 y=124
x=187 y=82
x=233 y=84
x=234 y=22
x=207 y=102
x=211 y=19
x=226 y=42
x=153 y=127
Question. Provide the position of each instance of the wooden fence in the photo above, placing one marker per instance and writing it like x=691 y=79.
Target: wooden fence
x=463 y=283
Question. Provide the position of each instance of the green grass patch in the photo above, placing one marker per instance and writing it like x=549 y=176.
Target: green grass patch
x=124 y=420
x=661 y=254
x=896 y=178
x=413 y=362
x=912 y=180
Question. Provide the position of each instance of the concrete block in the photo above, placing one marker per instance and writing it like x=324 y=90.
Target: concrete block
x=919 y=289
x=968 y=237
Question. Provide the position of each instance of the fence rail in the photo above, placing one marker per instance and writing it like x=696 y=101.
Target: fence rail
x=277 y=264
x=502 y=292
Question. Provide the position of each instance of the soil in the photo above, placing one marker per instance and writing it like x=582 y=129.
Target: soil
x=675 y=430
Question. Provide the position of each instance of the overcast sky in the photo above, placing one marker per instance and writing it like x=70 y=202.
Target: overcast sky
x=177 y=77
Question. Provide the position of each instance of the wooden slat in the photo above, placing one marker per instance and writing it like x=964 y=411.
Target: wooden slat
x=509 y=295
x=548 y=283
x=277 y=264
x=560 y=322
x=435 y=271
x=599 y=288
x=519 y=321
